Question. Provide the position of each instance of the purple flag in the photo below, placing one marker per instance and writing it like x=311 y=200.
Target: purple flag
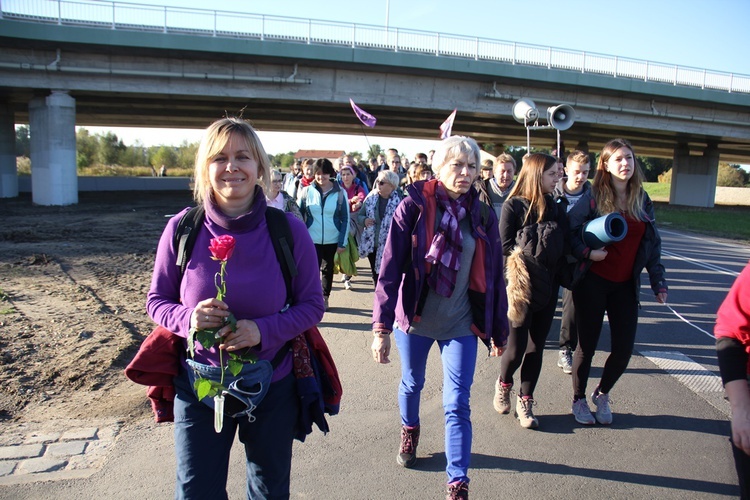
x=447 y=126
x=366 y=118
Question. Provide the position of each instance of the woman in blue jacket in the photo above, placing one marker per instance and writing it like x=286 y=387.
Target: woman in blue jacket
x=441 y=282
x=326 y=212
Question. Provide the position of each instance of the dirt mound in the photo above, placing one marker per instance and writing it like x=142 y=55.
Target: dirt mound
x=72 y=302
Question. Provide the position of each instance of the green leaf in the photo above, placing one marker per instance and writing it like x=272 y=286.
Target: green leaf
x=191 y=343
x=235 y=366
x=207 y=338
x=202 y=388
x=231 y=320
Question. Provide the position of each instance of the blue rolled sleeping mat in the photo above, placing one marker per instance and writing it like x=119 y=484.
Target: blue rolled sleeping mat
x=605 y=230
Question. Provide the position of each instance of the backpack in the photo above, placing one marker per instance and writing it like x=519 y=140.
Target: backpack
x=325 y=374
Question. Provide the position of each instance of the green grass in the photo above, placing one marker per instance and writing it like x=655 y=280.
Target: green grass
x=724 y=222
x=658 y=191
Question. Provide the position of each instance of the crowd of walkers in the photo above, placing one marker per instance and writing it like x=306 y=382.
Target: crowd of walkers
x=459 y=252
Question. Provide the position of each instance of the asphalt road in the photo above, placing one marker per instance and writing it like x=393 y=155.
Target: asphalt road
x=668 y=439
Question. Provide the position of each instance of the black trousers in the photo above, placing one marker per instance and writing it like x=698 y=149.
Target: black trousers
x=526 y=346
x=326 y=253
x=592 y=298
x=371 y=258
x=568 y=327
x=742 y=464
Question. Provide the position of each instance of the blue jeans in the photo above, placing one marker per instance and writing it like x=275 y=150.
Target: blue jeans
x=203 y=455
x=459 y=358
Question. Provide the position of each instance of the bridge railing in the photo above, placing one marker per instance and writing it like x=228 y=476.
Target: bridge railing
x=141 y=17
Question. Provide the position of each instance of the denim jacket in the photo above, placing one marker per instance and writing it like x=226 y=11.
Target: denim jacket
x=403 y=270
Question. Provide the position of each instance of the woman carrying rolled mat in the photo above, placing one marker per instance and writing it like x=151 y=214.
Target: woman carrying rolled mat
x=612 y=282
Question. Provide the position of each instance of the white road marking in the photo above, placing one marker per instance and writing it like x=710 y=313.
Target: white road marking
x=693 y=375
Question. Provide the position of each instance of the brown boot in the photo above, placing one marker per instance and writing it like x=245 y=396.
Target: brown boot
x=407 y=454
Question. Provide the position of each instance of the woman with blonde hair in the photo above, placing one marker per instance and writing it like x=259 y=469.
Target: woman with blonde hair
x=612 y=283
x=440 y=283
x=230 y=169
x=533 y=233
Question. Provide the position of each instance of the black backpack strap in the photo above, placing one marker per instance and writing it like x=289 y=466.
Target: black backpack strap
x=283 y=246
x=185 y=234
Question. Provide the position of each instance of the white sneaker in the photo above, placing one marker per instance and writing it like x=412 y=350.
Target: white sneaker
x=582 y=413
x=565 y=361
x=603 y=411
x=347 y=285
x=344 y=278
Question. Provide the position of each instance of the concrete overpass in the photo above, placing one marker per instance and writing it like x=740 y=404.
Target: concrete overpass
x=169 y=67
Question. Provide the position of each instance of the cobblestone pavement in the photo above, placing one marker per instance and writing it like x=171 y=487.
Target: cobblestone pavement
x=54 y=450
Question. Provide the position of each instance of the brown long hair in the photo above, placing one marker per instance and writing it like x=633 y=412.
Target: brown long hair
x=529 y=183
x=603 y=191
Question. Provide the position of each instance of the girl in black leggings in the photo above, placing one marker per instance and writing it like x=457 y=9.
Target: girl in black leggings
x=533 y=232
x=612 y=281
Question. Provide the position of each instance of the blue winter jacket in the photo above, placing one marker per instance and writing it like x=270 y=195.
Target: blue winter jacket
x=327 y=217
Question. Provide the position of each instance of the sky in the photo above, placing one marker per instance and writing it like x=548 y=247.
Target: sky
x=706 y=34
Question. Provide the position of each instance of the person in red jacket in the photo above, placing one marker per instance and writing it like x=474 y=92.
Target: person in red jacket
x=732 y=332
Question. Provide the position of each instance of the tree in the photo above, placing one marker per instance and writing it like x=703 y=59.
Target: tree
x=731 y=176
x=86 y=148
x=163 y=155
x=23 y=141
x=186 y=154
x=374 y=151
x=653 y=167
x=110 y=148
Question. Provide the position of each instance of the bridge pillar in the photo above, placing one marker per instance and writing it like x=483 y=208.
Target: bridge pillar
x=8 y=171
x=52 y=120
x=694 y=177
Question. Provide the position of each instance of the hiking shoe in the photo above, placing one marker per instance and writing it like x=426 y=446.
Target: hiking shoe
x=582 y=413
x=501 y=402
x=407 y=454
x=457 y=491
x=565 y=361
x=347 y=285
x=603 y=412
x=524 y=412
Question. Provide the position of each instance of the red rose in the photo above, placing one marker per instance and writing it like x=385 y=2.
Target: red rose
x=222 y=247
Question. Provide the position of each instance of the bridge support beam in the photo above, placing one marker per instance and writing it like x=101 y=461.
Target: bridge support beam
x=52 y=120
x=694 y=177
x=8 y=171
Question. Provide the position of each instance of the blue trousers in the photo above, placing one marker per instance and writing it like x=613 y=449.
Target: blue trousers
x=203 y=455
x=459 y=358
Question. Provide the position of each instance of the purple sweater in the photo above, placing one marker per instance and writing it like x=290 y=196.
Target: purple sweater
x=255 y=285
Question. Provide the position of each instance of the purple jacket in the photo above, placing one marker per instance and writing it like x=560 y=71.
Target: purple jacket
x=255 y=285
x=403 y=270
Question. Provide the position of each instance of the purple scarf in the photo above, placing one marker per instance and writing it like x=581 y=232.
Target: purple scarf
x=447 y=244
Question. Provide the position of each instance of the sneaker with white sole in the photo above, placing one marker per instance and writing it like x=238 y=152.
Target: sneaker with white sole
x=501 y=402
x=565 y=360
x=347 y=285
x=603 y=411
x=344 y=278
x=582 y=413
x=525 y=413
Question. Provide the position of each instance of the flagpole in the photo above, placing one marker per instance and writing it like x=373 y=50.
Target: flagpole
x=369 y=147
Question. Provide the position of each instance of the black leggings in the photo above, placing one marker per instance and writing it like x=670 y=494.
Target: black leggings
x=371 y=258
x=326 y=253
x=526 y=345
x=592 y=298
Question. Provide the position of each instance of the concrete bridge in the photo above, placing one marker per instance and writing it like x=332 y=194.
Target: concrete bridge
x=87 y=63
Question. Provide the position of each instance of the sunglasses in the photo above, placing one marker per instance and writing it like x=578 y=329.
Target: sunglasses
x=277 y=181
x=382 y=183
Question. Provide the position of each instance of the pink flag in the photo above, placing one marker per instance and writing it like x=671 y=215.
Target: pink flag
x=447 y=126
x=366 y=118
